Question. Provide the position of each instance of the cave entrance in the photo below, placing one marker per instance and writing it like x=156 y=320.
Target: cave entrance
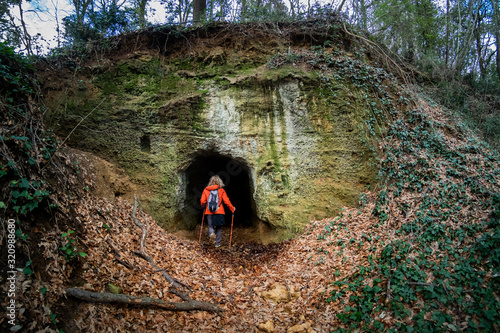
x=238 y=185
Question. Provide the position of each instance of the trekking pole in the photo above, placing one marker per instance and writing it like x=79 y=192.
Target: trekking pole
x=201 y=229
x=231 y=236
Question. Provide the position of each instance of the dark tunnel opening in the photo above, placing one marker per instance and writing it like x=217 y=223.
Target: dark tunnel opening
x=238 y=187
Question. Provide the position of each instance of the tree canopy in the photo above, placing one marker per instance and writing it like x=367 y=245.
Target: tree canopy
x=456 y=38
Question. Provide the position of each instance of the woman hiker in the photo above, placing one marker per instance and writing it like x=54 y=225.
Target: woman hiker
x=212 y=197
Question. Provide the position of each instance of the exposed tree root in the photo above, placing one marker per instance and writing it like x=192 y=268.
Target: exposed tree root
x=188 y=304
x=96 y=297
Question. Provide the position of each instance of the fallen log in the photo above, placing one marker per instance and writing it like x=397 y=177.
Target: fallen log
x=96 y=297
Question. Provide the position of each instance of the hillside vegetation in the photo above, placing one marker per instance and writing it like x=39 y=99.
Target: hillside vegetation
x=419 y=253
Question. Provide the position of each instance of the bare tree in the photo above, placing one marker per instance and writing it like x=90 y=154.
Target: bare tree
x=23 y=34
x=184 y=10
x=464 y=48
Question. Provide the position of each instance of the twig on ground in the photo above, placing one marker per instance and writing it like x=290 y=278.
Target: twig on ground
x=389 y=297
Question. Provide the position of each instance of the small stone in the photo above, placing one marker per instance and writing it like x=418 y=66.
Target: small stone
x=302 y=328
x=278 y=293
x=114 y=289
x=267 y=327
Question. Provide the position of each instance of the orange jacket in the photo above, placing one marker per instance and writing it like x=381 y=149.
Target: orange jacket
x=222 y=197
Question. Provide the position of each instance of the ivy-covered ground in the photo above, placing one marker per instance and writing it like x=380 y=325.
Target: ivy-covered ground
x=438 y=196
x=420 y=253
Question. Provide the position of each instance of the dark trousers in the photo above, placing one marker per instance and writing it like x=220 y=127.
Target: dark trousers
x=216 y=229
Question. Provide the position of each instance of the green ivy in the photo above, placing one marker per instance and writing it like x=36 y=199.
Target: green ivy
x=69 y=249
x=26 y=150
x=464 y=265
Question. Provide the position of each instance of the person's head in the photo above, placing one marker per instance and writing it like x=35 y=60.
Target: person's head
x=215 y=180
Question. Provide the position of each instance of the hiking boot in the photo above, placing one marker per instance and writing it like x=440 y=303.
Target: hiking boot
x=212 y=237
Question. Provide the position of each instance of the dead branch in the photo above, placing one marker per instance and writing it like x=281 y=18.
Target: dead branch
x=222 y=276
x=389 y=297
x=96 y=297
x=421 y=284
x=118 y=256
x=124 y=263
x=249 y=290
x=142 y=252
x=377 y=48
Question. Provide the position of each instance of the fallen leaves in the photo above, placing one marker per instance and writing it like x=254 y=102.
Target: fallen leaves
x=273 y=288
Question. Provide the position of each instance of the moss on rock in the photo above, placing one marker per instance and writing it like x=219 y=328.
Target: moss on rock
x=303 y=142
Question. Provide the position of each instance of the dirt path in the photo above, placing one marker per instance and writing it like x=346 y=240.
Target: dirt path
x=281 y=286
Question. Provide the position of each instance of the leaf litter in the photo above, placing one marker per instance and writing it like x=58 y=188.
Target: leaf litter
x=239 y=279
x=283 y=287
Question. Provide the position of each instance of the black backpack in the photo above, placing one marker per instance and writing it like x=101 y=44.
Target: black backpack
x=213 y=201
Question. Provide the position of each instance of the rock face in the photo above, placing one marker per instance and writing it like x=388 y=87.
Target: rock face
x=287 y=152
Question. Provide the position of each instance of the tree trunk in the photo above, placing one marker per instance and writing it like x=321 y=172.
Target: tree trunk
x=141 y=12
x=496 y=31
x=180 y=12
x=364 y=16
x=243 y=10
x=292 y=9
x=447 y=51
x=410 y=53
x=95 y=297
x=467 y=41
x=199 y=8
x=339 y=8
x=81 y=7
x=26 y=37
x=187 y=10
x=479 y=48
x=211 y=10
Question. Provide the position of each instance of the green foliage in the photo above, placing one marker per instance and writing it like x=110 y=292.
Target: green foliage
x=10 y=34
x=112 y=20
x=458 y=253
x=265 y=11
x=26 y=147
x=69 y=249
x=27 y=155
x=97 y=24
x=284 y=58
x=54 y=321
x=480 y=111
x=15 y=70
x=27 y=269
x=19 y=233
x=26 y=195
x=414 y=165
x=410 y=28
